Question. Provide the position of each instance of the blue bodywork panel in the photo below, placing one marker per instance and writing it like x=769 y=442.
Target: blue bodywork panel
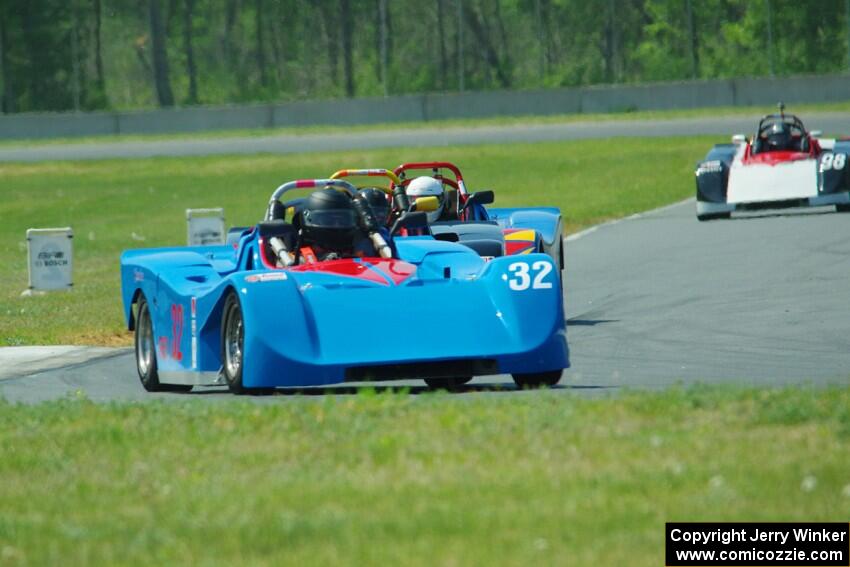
x=545 y=220
x=438 y=302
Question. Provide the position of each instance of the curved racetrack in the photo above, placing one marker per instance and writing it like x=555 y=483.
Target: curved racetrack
x=652 y=301
x=431 y=136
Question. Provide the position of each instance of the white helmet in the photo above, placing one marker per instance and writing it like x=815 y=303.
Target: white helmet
x=428 y=187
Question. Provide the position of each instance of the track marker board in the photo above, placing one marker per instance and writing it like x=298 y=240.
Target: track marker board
x=205 y=227
x=50 y=252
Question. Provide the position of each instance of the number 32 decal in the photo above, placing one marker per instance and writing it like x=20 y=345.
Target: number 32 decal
x=522 y=275
x=833 y=161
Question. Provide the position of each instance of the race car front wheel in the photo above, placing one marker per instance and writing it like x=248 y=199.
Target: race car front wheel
x=146 y=352
x=233 y=344
x=537 y=380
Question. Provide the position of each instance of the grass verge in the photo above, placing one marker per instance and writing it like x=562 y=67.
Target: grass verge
x=537 y=478
x=754 y=111
x=113 y=205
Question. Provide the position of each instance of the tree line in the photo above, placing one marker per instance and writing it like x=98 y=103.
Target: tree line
x=125 y=54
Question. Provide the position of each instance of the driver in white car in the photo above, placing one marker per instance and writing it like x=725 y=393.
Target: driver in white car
x=429 y=187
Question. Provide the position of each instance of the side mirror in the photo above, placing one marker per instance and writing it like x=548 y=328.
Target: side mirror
x=480 y=198
x=816 y=133
x=426 y=204
x=410 y=221
x=739 y=139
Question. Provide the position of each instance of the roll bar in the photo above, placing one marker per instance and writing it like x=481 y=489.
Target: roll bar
x=367 y=173
x=309 y=184
x=434 y=165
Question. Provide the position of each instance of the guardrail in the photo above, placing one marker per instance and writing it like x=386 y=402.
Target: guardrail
x=414 y=108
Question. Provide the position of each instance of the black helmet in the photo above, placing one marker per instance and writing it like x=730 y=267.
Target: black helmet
x=379 y=204
x=779 y=136
x=328 y=220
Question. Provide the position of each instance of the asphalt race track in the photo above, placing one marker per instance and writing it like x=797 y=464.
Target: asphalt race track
x=829 y=123
x=652 y=301
x=760 y=300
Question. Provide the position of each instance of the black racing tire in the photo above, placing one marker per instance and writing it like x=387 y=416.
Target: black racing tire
x=233 y=344
x=559 y=262
x=714 y=216
x=537 y=380
x=449 y=384
x=561 y=255
x=843 y=208
x=145 y=350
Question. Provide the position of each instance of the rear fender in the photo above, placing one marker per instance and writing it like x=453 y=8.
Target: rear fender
x=135 y=281
x=545 y=220
x=527 y=284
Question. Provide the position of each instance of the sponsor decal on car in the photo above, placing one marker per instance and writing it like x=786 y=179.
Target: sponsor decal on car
x=713 y=166
x=267 y=277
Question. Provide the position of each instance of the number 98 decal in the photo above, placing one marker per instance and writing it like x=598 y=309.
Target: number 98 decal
x=527 y=276
x=833 y=161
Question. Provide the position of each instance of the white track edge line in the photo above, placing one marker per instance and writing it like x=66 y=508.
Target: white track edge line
x=582 y=233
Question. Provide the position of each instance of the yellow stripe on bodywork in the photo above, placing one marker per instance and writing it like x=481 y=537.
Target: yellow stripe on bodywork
x=521 y=235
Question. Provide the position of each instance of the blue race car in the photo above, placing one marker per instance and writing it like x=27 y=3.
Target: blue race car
x=267 y=311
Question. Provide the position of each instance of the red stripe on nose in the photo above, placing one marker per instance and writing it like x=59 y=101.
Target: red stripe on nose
x=395 y=270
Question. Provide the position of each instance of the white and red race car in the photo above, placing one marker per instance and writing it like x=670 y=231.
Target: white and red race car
x=783 y=166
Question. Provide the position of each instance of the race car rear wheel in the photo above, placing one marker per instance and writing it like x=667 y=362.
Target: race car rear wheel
x=538 y=379
x=233 y=344
x=146 y=352
x=842 y=208
x=447 y=383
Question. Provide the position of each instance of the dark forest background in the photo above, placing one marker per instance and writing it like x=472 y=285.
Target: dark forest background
x=125 y=54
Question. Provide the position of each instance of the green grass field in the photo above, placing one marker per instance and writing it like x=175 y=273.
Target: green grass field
x=116 y=205
x=754 y=111
x=393 y=479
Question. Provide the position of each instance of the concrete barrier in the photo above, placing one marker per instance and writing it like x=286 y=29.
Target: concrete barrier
x=348 y=112
x=25 y=126
x=416 y=108
x=195 y=119
x=661 y=96
x=792 y=90
x=502 y=103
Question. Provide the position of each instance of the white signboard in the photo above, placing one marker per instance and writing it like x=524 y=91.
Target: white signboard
x=205 y=226
x=50 y=258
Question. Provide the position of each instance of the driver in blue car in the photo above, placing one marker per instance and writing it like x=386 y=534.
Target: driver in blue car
x=379 y=203
x=332 y=226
